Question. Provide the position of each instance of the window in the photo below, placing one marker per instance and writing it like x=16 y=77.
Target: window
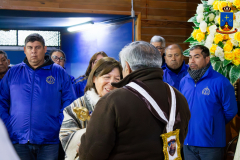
x=8 y=38
x=17 y=37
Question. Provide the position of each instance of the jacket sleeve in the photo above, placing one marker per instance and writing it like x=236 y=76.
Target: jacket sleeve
x=5 y=98
x=229 y=102
x=99 y=139
x=68 y=93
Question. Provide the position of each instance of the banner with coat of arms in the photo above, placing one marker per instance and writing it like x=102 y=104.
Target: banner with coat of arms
x=217 y=26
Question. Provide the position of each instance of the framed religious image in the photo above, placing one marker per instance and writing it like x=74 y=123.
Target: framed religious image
x=171 y=145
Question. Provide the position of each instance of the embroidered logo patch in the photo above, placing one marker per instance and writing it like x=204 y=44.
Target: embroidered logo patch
x=50 y=79
x=206 y=91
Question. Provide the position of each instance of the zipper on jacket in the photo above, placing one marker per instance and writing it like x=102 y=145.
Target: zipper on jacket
x=193 y=99
x=30 y=122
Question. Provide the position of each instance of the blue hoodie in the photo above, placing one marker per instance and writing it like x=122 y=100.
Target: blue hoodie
x=174 y=79
x=32 y=102
x=212 y=104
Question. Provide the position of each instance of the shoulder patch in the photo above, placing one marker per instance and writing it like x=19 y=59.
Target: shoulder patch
x=50 y=80
x=206 y=91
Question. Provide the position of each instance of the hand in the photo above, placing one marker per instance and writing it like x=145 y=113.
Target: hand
x=78 y=147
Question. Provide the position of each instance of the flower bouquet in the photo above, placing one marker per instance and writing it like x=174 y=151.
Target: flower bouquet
x=224 y=48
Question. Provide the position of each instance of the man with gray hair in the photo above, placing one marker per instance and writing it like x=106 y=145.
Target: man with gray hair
x=176 y=68
x=124 y=124
x=4 y=64
x=159 y=43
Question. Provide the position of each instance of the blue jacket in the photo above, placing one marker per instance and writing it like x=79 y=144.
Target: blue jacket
x=174 y=79
x=79 y=86
x=212 y=104
x=72 y=79
x=32 y=102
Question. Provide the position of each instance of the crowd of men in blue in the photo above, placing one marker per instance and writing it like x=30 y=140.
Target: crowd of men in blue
x=41 y=84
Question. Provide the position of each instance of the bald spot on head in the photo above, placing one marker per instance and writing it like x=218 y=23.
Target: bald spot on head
x=173 y=46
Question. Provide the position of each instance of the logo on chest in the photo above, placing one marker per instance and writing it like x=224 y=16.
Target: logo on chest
x=206 y=91
x=50 y=79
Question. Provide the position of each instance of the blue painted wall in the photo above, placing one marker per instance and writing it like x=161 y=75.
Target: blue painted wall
x=79 y=47
x=15 y=56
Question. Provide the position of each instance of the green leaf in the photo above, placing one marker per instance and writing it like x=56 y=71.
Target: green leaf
x=193 y=19
x=207 y=9
x=195 y=27
x=226 y=62
x=220 y=44
x=214 y=59
x=217 y=66
x=190 y=39
x=204 y=2
x=220 y=71
x=234 y=73
x=226 y=70
x=196 y=24
x=186 y=52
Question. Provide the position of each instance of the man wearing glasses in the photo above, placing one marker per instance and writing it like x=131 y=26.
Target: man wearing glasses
x=59 y=57
x=4 y=64
x=159 y=43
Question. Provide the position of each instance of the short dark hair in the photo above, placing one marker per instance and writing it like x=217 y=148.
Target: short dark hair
x=103 y=66
x=57 y=50
x=35 y=37
x=4 y=53
x=205 y=51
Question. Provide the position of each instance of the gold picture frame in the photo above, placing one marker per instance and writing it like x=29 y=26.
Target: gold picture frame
x=171 y=145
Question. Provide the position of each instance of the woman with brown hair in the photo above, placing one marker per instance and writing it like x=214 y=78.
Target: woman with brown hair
x=104 y=72
x=81 y=81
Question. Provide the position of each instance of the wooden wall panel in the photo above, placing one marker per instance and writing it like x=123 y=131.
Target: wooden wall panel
x=167 y=18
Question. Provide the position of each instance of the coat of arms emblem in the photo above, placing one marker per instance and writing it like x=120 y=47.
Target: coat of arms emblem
x=226 y=21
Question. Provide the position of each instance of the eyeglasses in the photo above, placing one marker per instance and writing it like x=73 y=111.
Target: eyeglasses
x=160 y=48
x=56 y=58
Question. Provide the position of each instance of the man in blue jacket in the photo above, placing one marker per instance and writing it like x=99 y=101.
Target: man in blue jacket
x=33 y=96
x=4 y=64
x=176 y=68
x=212 y=104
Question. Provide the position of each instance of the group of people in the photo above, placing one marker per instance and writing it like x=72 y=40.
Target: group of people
x=131 y=103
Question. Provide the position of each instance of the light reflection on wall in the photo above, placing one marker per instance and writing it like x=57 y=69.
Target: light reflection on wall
x=79 y=47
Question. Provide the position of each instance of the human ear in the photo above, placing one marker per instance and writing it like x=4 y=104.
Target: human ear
x=127 y=68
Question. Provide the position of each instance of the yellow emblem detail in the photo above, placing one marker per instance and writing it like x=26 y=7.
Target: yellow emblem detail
x=50 y=79
x=226 y=17
x=171 y=145
x=82 y=113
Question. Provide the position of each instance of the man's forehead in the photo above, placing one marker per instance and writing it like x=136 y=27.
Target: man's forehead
x=35 y=43
x=195 y=52
x=2 y=55
x=173 y=51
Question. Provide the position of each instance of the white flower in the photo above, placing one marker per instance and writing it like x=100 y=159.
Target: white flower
x=219 y=53
x=210 y=2
x=234 y=42
x=216 y=19
x=200 y=18
x=211 y=17
x=237 y=14
x=210 y=38
x=203 y=26
x=236 y=24
x=200 y=9
x=208 y=44
x=212 y=29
